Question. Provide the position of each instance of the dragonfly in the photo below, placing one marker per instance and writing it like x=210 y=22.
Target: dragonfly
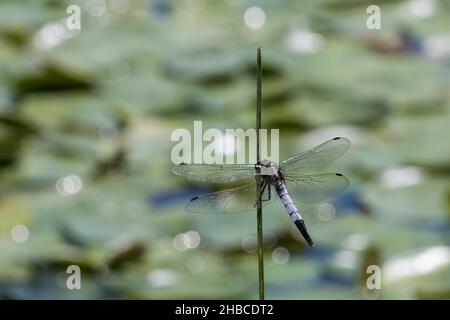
x=284 y=178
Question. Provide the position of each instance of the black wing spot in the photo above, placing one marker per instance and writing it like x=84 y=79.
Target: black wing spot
x=339 y=174
x=194 y=198
x=337 y=138
x=182 y=164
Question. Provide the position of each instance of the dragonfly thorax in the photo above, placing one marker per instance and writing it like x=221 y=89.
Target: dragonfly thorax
x=269 y=171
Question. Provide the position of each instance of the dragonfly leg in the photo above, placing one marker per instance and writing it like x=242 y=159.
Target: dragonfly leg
x=263 y=189
x=266 y=185
x=268 y=192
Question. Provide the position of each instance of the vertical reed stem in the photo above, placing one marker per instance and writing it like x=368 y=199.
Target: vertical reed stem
x=258 y=178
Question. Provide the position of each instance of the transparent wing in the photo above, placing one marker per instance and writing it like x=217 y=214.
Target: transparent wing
x=315 y=187
x=236 y=200
x=216 y=173
x=319 y=156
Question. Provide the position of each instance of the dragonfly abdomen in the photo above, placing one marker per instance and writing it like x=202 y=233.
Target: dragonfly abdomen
x=293 y=211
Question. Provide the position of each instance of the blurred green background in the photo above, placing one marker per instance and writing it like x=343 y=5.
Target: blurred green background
x=85 y=125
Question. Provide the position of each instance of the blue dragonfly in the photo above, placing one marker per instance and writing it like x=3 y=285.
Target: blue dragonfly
x=284 y=178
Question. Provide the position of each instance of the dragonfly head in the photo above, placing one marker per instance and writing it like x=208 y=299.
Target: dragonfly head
x=267 y=168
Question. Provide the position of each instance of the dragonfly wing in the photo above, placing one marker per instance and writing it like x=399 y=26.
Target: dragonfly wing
x=319 y=156
x=215 y=173
x=235 y=200
x=315 y=187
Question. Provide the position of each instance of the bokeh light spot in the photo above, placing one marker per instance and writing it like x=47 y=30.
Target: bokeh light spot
x=254 y=17
x=280 y=255
x=20 y=233
x=69 y=185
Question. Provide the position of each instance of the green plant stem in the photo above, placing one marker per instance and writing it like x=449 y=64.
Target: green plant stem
x=259 y=221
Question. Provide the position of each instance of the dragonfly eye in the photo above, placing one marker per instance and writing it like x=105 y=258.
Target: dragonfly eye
x=265 y=164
